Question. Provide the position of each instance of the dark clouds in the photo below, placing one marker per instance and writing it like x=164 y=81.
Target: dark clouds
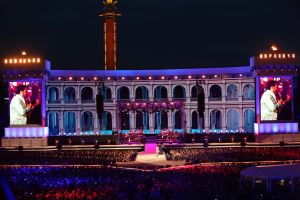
x=152 y=33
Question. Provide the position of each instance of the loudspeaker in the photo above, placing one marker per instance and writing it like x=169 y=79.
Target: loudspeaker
x=243 y=143
x=201 y=103
x=205 y=144
x=59 y=146
x=281 y=143
x=99 y=104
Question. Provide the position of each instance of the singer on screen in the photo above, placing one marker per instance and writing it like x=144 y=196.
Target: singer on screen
x=18 y=107
x=269 y=104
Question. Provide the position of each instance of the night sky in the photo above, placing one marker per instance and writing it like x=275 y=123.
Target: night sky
x=152 y=34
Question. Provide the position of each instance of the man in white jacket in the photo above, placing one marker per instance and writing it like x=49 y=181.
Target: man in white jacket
x=18 y=107
x=268 y=103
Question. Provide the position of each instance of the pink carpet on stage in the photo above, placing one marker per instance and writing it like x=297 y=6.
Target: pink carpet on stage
x=150 y=148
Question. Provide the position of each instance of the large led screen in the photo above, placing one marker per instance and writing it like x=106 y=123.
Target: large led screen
x=276 y=98
x=25 y=103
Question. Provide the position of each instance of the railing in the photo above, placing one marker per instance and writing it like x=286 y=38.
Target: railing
x=178 y=98
x=215 y=98
x=54 y=101
x=108 y=100
x=232 y=98
x=70 y=101
x=88 y=101
x=248 y=98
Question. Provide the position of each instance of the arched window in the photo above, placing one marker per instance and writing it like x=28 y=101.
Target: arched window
x=215 y=93
x=106 y=91
x=87 y=94
x=194 y=92
x=232 y=92
x=179 y=92
x=249 y=119
x=125 y=120
x=53 y=95
x=106 y=121
x=69 y=95
x=161 y=120
x=69 y=122
x=141 y=93
x=53 y=123
x=123 y=93
x=87 y=121
x=142 y=120
x=160 y=92
x=248 y=92
x=178 y=122
x=232 y=120
x=215 y=119
x=195 y=120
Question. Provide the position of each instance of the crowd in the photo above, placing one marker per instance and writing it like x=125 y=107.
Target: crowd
x=67 y=157
x=233 y=154
x=166 y=136
x=199 y=182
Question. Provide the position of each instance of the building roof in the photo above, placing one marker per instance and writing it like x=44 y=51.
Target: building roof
x=167 y=72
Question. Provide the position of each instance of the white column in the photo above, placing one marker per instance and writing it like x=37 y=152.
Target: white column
x=170 y=121
x=96 y=123
x=78 y=125
x=206 y=120
x=151 y=123
x=241 y=118
x=115 y=120
x=224 y=120
x=61 y=122
x=78 y=96
x=132 y=120
x=188 y=120
x=61 y=94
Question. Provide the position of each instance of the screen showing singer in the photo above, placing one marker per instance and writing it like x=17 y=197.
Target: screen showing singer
x=25 y=103
x=276 y=98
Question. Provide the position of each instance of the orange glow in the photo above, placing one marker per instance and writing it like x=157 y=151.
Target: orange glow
x=59 y=78
x=274 y=47
x=70 y=78
x=33 y=60
x=15 y=60
x=150 y=77
x=5 y=61
x=260 y=56
x=95 y=78
x=137 y=78
x=38 y=60
x=29 y=60
x=10 y=60
x=82 y=78
x=163 y=77
x=293 y=55
x=275 y=55
x=189 y=76
x=24 y=60
x=266 y=56
x=24 y=53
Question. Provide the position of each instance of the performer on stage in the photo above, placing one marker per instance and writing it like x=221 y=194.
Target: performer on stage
x=269 y=104
x=18 y=107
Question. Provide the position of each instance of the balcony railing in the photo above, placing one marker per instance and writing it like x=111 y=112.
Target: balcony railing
x=215 y=98
x=248 y=98
x=70 y=101
x=54 y=101
x=232 y=98
x=88 y=101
